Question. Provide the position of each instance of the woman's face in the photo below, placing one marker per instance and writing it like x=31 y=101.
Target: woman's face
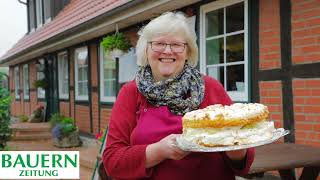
x=167 y=63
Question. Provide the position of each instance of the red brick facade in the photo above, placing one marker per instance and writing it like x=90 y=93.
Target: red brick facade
x=271 y=96
x=307 y=110
x=305 y=40
x=269 y=35
x=305 y=31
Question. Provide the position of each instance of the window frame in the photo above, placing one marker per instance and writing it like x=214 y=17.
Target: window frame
x=39 y=16
x=234 y=95
x=77 y=96
x=39 y=70
x=16 y=82
x=26 y=79
x=106 y=99
x=45 y=13
x=32 y=15
x=62 y=95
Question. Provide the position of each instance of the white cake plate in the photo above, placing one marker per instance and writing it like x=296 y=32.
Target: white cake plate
x=189 y=146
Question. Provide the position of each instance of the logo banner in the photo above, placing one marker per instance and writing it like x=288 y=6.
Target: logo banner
x=39 y=165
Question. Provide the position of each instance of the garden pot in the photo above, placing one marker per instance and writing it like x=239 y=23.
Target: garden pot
x=72 y=140
x=116 y=53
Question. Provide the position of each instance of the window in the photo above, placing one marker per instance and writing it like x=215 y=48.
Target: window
x=63 y=75
x=224 y=45
x=39 y=12
x=26 y=81
x=47 y=10
x=40 y=75
x=17 y=82
x=81 y=73
x=127 y=66
x=31 y=15
x=108 y=74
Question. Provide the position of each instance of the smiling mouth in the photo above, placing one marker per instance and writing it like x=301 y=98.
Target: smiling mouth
x=167 y=60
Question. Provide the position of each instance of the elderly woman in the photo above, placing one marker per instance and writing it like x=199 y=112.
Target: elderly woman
x=147 y=115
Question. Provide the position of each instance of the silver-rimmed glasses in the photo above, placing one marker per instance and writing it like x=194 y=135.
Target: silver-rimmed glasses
x=176 y=47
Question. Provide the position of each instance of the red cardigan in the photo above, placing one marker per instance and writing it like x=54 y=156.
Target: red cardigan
x=125 y=160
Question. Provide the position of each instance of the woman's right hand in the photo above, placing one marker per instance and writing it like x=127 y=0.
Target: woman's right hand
x=164 y=149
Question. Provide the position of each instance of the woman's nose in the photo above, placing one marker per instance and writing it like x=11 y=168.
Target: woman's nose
x=167 y=49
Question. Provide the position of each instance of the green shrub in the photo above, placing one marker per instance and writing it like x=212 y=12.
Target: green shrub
x=23 y=118
x=5 y=131
x=55 y=119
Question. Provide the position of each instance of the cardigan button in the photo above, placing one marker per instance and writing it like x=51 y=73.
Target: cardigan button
x=145 y=110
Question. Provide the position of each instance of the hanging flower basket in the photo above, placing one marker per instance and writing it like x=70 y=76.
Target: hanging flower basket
x=116 y=45
x=116 y=53
x=41 y=83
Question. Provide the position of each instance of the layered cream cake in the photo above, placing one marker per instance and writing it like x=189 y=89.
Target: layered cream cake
x=237 y=124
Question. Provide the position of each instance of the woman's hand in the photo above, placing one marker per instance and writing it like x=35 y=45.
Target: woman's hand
x=164 y=149
x=237 y=155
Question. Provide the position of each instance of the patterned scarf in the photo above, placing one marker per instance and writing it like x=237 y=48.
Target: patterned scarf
x=181 y=94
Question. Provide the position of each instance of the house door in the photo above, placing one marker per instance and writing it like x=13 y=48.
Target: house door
x=52 y=90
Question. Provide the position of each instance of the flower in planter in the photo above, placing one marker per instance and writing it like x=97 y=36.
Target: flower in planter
x=64 y=132
x=56 y=131
x=99 y=136
x=37 y=115
x=115 y=44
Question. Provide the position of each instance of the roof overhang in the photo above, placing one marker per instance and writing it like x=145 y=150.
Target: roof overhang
x=124 y=16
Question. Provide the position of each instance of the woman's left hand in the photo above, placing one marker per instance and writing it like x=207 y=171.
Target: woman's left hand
x=237 y=154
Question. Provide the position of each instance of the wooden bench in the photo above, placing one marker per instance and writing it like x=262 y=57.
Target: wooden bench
x=284 y=158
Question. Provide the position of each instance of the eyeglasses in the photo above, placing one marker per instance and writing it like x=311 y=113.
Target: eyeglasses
x=177 y=47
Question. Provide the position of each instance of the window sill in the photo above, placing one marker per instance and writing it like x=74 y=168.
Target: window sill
x=64 y=99
x=82 y=102
x=106 y=104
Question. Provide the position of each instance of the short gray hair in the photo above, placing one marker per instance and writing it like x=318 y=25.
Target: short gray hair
x=167 y=23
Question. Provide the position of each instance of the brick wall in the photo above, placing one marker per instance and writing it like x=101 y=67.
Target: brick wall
x=64 y=108
x=307 y=110
x=269 y=35
x=94 y=84
x=105 y=117
x=305 y=31
x=82 y=118
x=271 y=96
x=32 y=79
x=306 y=49
x=71 y=77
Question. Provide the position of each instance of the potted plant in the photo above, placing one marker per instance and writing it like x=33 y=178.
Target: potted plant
x=116 y=44
x=65 y=134
x=37 y=115
x=41 y=83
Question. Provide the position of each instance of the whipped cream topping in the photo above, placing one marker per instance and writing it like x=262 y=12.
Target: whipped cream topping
x=234 y=111
x=231 y=135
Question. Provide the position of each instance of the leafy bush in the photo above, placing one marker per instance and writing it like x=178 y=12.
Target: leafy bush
x=23 y=118
x=5 y=131
x=55 y=119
